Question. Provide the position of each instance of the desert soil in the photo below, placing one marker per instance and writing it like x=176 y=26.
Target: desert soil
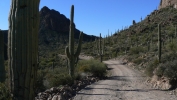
x=124 y=83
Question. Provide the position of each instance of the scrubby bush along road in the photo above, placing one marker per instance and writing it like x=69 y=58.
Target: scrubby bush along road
x=123 y=84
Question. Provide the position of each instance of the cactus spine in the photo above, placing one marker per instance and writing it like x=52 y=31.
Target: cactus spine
x=2 y=67
x=101 y=48
x=23 y=48
x=159 y=43
x=71 y=55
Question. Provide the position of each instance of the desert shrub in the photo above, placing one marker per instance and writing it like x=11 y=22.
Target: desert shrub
x=93 y=67
x=51 y=59
x=55 y=80
x=4 y=92
x=84 y=68
x=160 y=70
x=168 y=69
x=171 y=46
x=39 y=81
x=138 y=60
x=43 y=63
x=48 y=78
x=151 y=67
x=169 y=56
x=136 y=50
x=132 y=57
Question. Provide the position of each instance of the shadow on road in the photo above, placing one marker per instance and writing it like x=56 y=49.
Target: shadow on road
x=123 y=78
x=130 y=90
x=91 y=94
x=110 y=68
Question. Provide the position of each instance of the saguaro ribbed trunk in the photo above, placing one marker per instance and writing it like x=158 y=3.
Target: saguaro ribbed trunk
x=2 y=68
x=23 y=48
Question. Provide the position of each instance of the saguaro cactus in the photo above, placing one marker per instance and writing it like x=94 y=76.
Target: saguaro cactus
x=148 y=45
x=101 y=48
x=71 y=55
x=175 y=32
x=159 y=43
x=2 y=67
x=23 y=48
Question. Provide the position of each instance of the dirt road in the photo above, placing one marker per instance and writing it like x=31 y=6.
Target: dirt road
x=124 y=84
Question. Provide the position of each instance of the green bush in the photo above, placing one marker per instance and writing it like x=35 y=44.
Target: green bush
x=47 y=78
x=39 y=81
x=160 y=70
x=136 y=50
x=171 y=46
x=132 y=57
x=58 y=79
x=93 y=67
x=138 y=60
x=151 y=67
x=168 y=69
x=4 y=92
x=169 y=56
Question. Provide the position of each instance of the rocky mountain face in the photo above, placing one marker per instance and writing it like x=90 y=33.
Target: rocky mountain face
x=54 y=25
x=164 y=3
x=53 y=20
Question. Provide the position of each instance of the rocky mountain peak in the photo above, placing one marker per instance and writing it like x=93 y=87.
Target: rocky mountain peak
x=52 y=19
x=165 y=3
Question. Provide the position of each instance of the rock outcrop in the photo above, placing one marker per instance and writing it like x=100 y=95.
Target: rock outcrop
x=53 y=20
x=66 y=92
x=165 y=3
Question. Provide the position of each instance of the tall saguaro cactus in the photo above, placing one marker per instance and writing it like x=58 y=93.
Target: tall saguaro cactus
x=101 y=48
x=23 y=48
x=71 y=55
x=175 y=32
x=159 y=43
x=2 y=67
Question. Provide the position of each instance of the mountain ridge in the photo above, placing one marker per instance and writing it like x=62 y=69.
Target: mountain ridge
x=53 y=30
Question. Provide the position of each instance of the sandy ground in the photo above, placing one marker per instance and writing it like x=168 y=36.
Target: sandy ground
x=84 y=57
x=123 y=84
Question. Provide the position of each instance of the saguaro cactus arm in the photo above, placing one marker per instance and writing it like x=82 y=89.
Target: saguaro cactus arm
x=79 y=45
x=67 y=52
x=71 y=32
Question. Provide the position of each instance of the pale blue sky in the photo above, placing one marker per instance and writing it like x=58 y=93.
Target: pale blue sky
x=94 y=16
